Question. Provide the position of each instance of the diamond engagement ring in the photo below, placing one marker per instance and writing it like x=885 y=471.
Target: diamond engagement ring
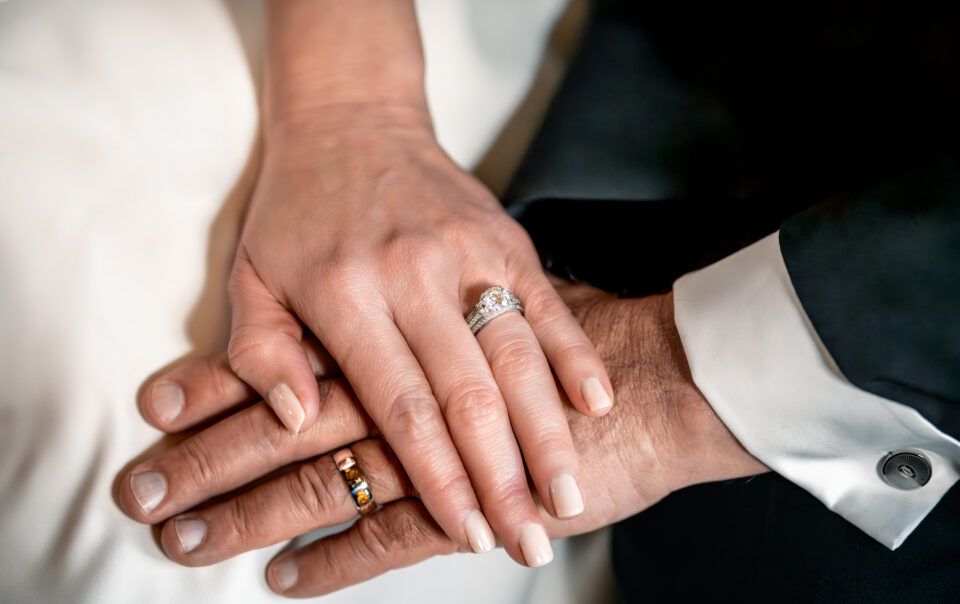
x=493 y=302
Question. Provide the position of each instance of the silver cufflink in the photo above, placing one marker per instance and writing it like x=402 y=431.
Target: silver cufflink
x=905 y=469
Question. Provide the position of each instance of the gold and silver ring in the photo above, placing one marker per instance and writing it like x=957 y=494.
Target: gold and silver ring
x=355 y=480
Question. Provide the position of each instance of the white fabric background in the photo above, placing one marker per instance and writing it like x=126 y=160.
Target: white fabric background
x=128 y=132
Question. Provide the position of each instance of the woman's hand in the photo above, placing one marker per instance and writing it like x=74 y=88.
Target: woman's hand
x=375 y=240
x=364 y=231
x=662 y=436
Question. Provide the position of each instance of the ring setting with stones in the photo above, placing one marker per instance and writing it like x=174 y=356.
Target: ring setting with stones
x=493 y=302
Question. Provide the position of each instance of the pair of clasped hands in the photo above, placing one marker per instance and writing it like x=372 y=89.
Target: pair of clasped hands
x=363 y=249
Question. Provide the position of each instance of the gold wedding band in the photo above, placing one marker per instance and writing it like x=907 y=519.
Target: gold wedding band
x=355 y=480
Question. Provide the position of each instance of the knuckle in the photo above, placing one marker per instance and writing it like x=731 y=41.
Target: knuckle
x=240 y=519
x=573 y=353
x=267 y=438
x=311 y=491
x=341 y=408
x=408 y=530
x=236 y=280
x=458 y=232
x=544 y=307
x=516 y=358
x=375 y=538
x=382 y=470
x=512 y=493
x=217 y=377
x=506 y=224
x=474 y=405
x=450 y=484
x=553 y=440
x=342 y=275
x=405 y=531
x=414 y=417
x=415 y=250
x=248 y=345
x=197 y=461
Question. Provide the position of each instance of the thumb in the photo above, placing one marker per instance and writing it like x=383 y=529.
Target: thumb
x=265 y=350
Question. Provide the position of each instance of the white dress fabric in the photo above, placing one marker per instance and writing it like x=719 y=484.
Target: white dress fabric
x=128 y=146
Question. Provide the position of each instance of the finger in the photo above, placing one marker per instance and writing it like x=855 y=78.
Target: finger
x=265 y=349
x=320 y=360
x=478 y=422
x=400 y=534
x=536 y=412
x=571 y=354
x=390 y=383
x=311 y=496
x=193 y=392
x=204 y=388
x=231 y=453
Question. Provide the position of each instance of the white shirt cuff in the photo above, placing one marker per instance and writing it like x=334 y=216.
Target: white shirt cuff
x=757 y=359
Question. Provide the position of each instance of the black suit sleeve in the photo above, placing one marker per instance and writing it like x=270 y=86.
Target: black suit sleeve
x=878 y=273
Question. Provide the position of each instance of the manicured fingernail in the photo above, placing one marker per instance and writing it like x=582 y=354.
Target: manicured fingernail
x=478 y=532
x=535 y=545
x=166 y=399
x=287 y=406
x=285 y=573
x=566 y=496
x=595 y=395
x=149 y=489
x=190 y=532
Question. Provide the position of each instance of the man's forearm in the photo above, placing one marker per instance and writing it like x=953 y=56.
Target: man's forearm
x=325 y=54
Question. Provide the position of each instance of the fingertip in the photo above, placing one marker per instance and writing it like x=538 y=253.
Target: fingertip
x=479 y=534
x=566 y=496
x=596 y=398
x=535 y=545
x=275 y=364
x=286 y=404
x=162 y=403
x=183 y=535
x=192 y=392
x=141 y=491
x=283 y=573
x=311 y=404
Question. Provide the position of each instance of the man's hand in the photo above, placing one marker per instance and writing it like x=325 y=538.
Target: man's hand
x=662 y=437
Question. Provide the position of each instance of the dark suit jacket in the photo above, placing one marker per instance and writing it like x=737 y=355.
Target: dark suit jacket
x=686 y=131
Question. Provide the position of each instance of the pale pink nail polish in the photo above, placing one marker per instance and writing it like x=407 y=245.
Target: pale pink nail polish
x=478 y=532
x=535 y=545
x=594 y=395
x=287 y=406
x=166 y=399
x=566 y=496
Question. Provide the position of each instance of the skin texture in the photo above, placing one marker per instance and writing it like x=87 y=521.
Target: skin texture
x=362 y=230
x=662 y=436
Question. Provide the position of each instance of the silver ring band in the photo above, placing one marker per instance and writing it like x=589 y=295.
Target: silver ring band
x=493 y=303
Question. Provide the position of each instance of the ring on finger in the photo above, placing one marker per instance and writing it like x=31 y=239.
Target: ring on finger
x=355 y=480
x=493 y=302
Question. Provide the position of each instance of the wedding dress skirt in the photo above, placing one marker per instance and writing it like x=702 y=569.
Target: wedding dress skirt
x=128 y=148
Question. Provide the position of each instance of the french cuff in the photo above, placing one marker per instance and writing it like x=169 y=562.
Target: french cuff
x=757 y=359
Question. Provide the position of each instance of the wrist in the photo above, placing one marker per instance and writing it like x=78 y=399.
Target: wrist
x=324 y=54
x=692 y=443
x=324 y=126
